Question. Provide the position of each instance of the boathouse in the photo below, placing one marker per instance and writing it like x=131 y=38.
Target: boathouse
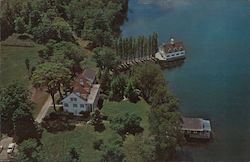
x=196 y=128
x=171 y=51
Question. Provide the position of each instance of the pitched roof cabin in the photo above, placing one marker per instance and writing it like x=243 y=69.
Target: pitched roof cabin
x=171 y=51
x=85 y=94
x=196 y=128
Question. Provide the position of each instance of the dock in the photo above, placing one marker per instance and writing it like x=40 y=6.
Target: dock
x=129 y=63
x=169 y=53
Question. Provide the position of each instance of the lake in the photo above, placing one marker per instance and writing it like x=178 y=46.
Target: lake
x=214 y=81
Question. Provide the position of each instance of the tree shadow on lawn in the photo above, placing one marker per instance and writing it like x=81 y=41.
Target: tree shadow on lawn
x=57 y=122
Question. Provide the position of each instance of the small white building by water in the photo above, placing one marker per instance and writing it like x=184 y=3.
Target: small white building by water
x=171 y=51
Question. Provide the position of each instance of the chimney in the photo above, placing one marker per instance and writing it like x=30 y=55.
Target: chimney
x=172 y=41
x=81 y=82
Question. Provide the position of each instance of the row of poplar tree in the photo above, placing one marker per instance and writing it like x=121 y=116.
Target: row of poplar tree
x=138 y=47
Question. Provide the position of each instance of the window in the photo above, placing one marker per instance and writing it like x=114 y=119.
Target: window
x=66 y=105
x=73 y=99
x=168 y=55
x=74 y=105
x=177 y=54
x=82 y=105
x=173 y=55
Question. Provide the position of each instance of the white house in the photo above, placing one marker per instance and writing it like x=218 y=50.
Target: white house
x=171 y=51
x=85 y=94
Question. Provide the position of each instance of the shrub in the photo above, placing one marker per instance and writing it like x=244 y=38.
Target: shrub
x=97 y=144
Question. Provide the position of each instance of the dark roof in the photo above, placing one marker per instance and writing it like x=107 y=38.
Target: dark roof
x=89 y=75
x=83 y=83
x=169 y=48
x=192 y=124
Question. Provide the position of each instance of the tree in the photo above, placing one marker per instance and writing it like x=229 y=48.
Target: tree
x=64 y=32
x=147 y=78
x=138 y=149
x=105 y=81
x=165 y=127
x=29 y=151
x=22 y=119
x=106 y=58
x=97 y=121
x=7 y=18
x=50 y=75
x=154 y=43
x=34 y=19
x=126 y=124
x=74 y=155
x=117 y=88
x=68 y=54
x=20 y=26
x=27 y=63
x=130 y=91
x=13 y=97
x=57 y=29
x=112 y=151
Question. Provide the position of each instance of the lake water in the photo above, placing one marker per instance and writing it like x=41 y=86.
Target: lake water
x=214 y=81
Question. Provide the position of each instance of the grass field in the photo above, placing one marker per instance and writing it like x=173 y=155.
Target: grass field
x=82 y=138
x=13 y=68
x=12 y=63
x=140 y=108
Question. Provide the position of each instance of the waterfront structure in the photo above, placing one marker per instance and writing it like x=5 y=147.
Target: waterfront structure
x=171 y=51
x=85 y=94
x=196 y=128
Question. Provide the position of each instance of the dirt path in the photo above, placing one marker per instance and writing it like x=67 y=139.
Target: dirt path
x=44 y=110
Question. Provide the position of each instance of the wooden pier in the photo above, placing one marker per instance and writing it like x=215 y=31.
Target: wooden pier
x=129 y=63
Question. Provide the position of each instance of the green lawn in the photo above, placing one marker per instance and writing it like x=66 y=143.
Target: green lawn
x=12 y=63
x=13 y=68
x=57 y=145
x=140 y=108
x=82 y=138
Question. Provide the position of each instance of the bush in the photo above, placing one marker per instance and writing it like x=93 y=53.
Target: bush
x=57 y=121
x=97 y=144
x=85 y=114
x=127 y=124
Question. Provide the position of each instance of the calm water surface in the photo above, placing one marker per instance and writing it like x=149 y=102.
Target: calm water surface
x=214 y=81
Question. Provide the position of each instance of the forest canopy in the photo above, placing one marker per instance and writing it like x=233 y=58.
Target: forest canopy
x=62 y=20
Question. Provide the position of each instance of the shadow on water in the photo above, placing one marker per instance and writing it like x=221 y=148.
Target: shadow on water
x=172 y=64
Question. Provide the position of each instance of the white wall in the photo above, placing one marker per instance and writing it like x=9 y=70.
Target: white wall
x=69 y=104
x=173 y=55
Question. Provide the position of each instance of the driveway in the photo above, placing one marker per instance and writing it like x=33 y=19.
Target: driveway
x=44 y=110
x=5 y=142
